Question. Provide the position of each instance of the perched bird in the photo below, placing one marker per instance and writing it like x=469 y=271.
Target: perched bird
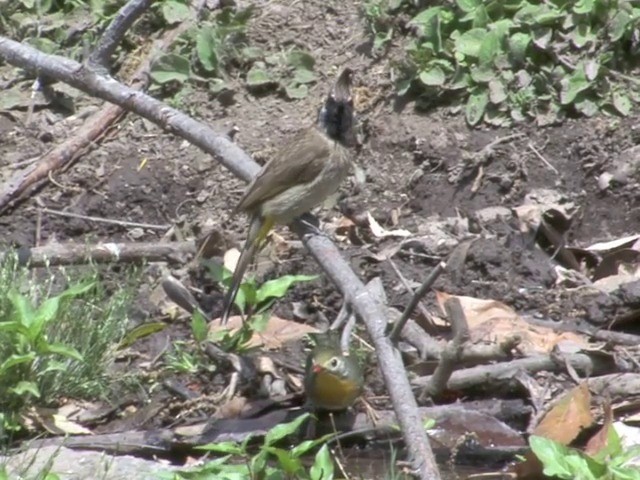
x=305 y=171
x=333 y=381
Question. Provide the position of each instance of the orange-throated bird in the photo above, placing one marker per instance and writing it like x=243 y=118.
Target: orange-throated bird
x=305 y=171
x=333 y=381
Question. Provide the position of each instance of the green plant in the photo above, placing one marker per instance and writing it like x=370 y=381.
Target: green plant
x=271 y=461
x=291 y=72
x=379 y=21
x=54 y=344
x=610 y=463
x=45 y=23
x=515 y=60
x=207 y=51
x=253 y=299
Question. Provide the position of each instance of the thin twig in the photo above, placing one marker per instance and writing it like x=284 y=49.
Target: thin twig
x=405 y=283
x=452 y=353
x=498 y=141
x=542 y=159
x=426 y=285
x=122 y=223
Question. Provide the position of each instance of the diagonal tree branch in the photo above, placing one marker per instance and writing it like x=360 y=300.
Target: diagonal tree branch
x=366 y=306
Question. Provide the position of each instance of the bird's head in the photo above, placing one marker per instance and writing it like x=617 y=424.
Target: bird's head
x=329 y=361
x=336 y=115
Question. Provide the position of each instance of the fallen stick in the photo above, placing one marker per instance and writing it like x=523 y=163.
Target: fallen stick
x=492 y=375
x=370 y=309
x=74 y=254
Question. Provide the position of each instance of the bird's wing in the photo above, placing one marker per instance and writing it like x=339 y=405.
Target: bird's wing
x=299 y=161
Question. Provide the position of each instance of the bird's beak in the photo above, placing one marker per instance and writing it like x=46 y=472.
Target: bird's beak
x=316 y=368
x=341 y=91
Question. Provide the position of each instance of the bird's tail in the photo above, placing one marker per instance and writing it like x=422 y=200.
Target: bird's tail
x=259 y=227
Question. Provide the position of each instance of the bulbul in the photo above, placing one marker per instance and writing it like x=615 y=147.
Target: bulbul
x=304 y=172
x=333 y=381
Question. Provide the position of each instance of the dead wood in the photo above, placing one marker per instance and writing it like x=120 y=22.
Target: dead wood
x=493 y=375
x=108 y=252
x=370 y=309
x=113 y=35
x=452 y=353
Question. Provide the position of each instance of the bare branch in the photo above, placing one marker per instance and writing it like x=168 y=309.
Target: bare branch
x=452 y=353
x=74 y=254
x=426 y=285
x=114 y=33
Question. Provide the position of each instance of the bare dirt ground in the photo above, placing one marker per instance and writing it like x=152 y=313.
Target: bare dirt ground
x=420 y=167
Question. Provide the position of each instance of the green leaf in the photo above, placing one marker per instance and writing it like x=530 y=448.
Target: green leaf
x=618 y=25
x=278 y=287
x=22 y=309
x=584 y=6
x=581 y=35
x=258 y=464
x=170 y=68
x=287 y=462
x=295 y=91
x=428 y=22
x=574 y=84
x=622 y=103
x=223 y=447
x=308 y=445
x=489 y=48
x=497 y=93
x=481 y=18
x=322 y=468
x=141 y=331
x=64 y=350
x=46 y=312
x=258 y=77
x=518 y=44
x=624 y=473
x=591 y=69
x=206 y=49
x=586 y=106
x=482 y=74
x=467 y=5
x=303 y=75
x=199 y=327
x=548 y=16
x=299 y=59
x=432 y=77
x=217 y=85
x=551 y=454
x=24 y=387
x=469 y=42
x=175 y=12
x=16 y=359
x=283 y=430
x=542 y=37
x=476 y=105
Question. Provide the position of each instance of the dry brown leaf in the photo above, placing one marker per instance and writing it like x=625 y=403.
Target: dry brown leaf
x=599 y=441
x=56 y=423
x=277 y=331
x=493 y=321
x=568 y=417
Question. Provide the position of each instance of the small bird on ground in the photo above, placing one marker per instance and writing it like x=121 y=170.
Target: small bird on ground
x=305 y=171
x=333 y=381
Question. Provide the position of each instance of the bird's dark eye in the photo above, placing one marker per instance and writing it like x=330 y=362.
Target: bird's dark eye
x=333 y=363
